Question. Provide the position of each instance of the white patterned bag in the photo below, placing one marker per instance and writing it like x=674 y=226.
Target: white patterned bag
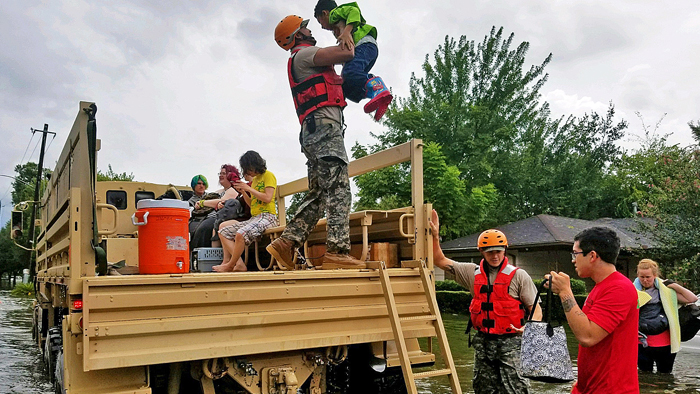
x=544 y=355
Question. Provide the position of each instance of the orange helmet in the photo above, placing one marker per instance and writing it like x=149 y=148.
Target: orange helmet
x=491 y=238
x=287 y=28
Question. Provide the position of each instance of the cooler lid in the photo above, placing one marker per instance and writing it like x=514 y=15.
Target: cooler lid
x=165 y=203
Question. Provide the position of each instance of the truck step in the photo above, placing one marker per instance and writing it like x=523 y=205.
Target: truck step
x=419 y=318
x=430 y=374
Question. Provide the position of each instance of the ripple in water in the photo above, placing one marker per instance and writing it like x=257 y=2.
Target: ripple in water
x=21 y=366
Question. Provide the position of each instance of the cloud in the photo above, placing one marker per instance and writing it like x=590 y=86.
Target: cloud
x=257 y=32
x=563 y=104
x=183 y=87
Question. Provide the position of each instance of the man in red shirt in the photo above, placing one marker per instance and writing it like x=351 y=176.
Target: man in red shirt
x=606 y=328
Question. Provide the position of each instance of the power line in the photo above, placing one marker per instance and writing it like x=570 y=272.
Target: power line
x=26 y=149
x=29 y=158
x=35 y=146
x=21 y=162
x=16 y=179
x=53 y=137
x=6 y=191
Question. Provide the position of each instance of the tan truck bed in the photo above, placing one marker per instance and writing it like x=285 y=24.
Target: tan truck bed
x=141 y=320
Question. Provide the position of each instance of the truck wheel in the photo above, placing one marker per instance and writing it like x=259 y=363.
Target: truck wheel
x=35 y=324
x=49 y=360
x=36 y=327
x=52 y=345
x=58 y=374
x=338 y=378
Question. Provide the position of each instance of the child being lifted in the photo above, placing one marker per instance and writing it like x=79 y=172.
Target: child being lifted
x=351 y=30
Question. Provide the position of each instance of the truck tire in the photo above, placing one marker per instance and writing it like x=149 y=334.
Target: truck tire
x=35 y=324
x=338 y=378
x=49 y=360
x=52 y=345
x=364 y=379
x=58 y=374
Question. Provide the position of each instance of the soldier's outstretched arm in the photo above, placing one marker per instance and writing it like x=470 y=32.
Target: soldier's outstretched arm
x=439 y=258
x=331 y=56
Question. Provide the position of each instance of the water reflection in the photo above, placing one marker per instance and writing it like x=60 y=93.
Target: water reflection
x=685 y=379
x=679 y=382
x=21 y=368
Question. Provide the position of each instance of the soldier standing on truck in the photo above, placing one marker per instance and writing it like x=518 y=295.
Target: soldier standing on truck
x=501 y=295
x=319 y=102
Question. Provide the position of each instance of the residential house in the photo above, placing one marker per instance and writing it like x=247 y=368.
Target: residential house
x=543 y=243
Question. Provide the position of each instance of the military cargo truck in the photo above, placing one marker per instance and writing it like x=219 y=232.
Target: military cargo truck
x=264 y=331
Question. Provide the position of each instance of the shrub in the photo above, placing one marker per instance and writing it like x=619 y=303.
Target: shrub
x=23 y=290
x=577 y=285
x=448 y=285
x=453 y=301
x=557 y=310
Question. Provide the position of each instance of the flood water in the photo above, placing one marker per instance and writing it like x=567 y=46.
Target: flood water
x=684 y=380
x=22 y=371
x=21 y=367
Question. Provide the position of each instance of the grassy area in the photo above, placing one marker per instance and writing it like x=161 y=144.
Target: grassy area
x=23 y=290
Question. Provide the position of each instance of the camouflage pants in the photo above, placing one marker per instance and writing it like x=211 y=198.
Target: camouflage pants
x=497 y=365
x=329 y=187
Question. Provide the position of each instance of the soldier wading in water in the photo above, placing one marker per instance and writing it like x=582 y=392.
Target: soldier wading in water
x=502 y=295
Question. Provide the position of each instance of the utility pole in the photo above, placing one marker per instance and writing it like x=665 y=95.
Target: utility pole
x=32 y=265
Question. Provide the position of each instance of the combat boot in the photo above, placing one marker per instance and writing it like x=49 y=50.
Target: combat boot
x=332 y=261
x=283 y=251
x=379 y=97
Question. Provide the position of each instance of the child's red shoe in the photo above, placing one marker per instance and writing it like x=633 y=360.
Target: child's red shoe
x=380 y=97
x=383 y=105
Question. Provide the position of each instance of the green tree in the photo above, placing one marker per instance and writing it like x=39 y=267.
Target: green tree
x=481 y=105
x=442 y=185
x=562 y=168
x=12 y=259
x=110 y=175
x=472 y=100
x=665 y=182
x=294 y=205
x=24 y=184
x=695 y=129
x=23 y=188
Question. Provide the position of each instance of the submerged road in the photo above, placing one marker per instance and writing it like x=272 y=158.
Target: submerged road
x=22 y=369
x=684 y=380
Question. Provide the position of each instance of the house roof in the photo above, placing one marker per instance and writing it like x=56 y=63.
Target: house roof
x=633 y=228
x=546 y=230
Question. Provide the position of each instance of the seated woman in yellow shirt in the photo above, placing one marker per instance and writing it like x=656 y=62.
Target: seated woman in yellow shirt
x=260 y=196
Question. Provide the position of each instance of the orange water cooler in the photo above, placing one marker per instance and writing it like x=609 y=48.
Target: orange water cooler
x=163 y=236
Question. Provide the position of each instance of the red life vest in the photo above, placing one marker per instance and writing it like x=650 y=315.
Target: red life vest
x=493 y=310
x=319 y=90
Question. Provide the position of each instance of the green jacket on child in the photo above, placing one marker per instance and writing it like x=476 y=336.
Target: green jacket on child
x=350 y=14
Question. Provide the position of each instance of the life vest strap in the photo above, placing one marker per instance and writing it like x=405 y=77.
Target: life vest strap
x=302 y=86
x=311 y=103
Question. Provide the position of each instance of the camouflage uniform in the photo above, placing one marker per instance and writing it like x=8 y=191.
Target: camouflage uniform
x=497 y=365
x=329 y=186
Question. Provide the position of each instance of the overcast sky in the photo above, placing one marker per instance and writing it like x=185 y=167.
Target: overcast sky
x=185 y=86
